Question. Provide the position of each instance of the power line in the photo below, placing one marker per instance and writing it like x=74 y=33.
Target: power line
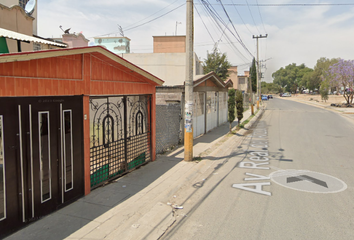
x=144 y=22
x=155 y=18
x=151 y=15
x=204 y=24
x=241 y=18
x=288 y=4
x=218 y=20
x=249 y=9
x=261 y=17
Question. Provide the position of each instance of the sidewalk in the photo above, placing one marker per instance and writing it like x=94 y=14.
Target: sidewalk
x=139 y=205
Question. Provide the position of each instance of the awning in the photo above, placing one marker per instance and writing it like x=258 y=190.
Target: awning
x=25 y=38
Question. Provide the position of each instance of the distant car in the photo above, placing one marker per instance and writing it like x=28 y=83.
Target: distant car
x=286 y=95
x=270 y=96
x=264 y=97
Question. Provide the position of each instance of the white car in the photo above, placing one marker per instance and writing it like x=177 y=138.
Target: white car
x=286 y=95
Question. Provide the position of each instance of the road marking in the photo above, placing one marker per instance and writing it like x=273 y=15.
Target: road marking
x=308 y=181
x=306 y=178
x=258 y=156
x=257 y=187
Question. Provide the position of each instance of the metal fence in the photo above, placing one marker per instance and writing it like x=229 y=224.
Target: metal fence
x=120 y=131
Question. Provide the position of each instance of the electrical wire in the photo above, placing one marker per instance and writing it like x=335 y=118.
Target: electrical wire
x=288 y=4
x=249 y=9
x=144 y=22
x=261 y=17
x=150 y=15
x=204 y=24
x=219 y=22
x=241 y=18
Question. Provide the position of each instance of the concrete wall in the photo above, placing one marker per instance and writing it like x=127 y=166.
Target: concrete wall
x=74 y=40
x=168 y=119
x=243 y=83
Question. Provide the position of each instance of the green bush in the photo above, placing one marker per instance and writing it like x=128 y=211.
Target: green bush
x=239 y=106
x=231 y=107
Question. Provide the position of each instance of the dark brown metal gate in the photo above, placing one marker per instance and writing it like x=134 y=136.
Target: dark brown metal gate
x=41 y=157
x=120 y=132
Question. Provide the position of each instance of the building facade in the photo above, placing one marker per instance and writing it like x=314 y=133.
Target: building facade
x=22 y=4
x=16 y=32
x=117 y=45
x=70 y=121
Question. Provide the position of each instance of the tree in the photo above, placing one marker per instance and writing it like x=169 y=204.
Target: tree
x=253 y=75
x=324 y=92
x=314 y=79
x=239 y=106
x=217 y=63
x=342 y=75
x=291 y=77
x=231 y=107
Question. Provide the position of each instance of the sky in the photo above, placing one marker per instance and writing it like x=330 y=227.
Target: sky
x=297 y=31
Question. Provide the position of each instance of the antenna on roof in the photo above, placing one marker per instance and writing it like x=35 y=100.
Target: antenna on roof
x=29 y=8
x=65 y=31
x=120 y=30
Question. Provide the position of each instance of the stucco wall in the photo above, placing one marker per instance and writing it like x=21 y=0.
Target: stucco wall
x=74 y=40
x=170 y=67
x=15 y=19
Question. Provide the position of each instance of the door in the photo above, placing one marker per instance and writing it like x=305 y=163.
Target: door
x=41 y=157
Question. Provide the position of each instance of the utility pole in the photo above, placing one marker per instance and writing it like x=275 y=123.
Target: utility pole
x=258 y=70
x=188 y=123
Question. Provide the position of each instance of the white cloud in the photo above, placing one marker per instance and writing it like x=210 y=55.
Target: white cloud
x=295 y=34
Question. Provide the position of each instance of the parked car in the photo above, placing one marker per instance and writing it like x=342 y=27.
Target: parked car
x=286 y=95
x=270 y=96
x=264 y=97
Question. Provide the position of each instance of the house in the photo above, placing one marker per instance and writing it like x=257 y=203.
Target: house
x=210 y=96
x=118 y=45
x=241 y=82
x=70 y=120
x=168 y=62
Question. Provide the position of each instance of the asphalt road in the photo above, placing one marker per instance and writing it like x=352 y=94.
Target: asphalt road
x=291 y=178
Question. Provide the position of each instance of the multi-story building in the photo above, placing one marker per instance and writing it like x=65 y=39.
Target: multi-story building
x=117 y=45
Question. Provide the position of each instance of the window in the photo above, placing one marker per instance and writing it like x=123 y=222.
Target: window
x=2 y=173
x=68 y=150
x=44 y=155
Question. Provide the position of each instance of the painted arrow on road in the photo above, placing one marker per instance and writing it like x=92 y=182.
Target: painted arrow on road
x=306 y=178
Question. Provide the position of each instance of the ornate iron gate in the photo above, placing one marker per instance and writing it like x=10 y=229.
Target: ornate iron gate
x=120 y=131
